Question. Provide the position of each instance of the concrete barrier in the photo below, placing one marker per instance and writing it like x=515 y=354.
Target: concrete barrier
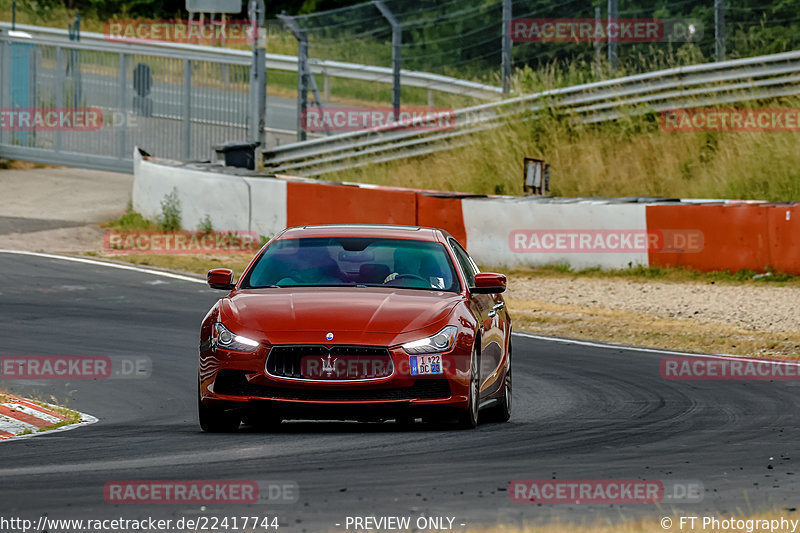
x=497 y=231
x=224 y=199
x=520 y=231
x=267 y=205
x=737 y=236
x=327 y=203
x=783 y=232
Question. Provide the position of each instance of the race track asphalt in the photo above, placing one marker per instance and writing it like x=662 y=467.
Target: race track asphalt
x=580 y=412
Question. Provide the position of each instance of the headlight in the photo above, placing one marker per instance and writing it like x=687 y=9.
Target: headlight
x=223 y=338
x=441 y=342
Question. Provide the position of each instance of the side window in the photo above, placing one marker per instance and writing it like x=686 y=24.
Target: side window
x=467 y=265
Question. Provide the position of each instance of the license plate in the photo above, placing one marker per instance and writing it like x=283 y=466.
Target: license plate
x=426 y=364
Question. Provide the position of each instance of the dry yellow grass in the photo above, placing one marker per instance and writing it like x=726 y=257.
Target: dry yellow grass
x=630 y=157
x=192 y=264
x=613 y=325
x=652 y=524
x=637 y=307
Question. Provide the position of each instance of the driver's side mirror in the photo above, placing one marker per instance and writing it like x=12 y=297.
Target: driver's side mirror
x=221 y=278
x=489 y=283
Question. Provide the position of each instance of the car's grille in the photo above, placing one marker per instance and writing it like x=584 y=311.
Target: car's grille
x=235 y=383
x=308 y=361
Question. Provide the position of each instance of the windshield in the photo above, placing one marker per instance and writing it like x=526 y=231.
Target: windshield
x=373 y=262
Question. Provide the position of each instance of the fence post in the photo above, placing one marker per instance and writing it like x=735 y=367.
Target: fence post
x=719 y=29
x=302 y=84
x=6 y=96
x=4 y=62
x=506 y=45
x=187 y=109
x=397 y=59
x=613 y=16
x=598 y=47
x=74 y=32
x=302 y=71
x=123 y=105
x=59 y=89
x=258 y=76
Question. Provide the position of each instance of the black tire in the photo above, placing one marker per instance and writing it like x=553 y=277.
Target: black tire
x=468 y=419
x=216 y=420
x=501 y=412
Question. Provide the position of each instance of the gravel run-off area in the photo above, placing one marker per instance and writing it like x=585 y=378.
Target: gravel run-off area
x=746 y=319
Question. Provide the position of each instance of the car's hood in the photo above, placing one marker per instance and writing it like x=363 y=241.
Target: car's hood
x=335 y=309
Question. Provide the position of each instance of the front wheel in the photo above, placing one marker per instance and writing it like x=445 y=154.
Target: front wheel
x=468 y=419
x=501 y=412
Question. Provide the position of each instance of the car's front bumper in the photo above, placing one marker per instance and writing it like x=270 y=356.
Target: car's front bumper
x=240 y=381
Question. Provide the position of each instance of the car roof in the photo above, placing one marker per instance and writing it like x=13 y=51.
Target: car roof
x=385 y=231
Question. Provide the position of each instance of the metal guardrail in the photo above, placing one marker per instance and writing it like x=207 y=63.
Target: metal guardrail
x=683 y=87
x=336 y=69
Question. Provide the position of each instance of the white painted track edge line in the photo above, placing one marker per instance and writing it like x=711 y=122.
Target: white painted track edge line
x=89 y=261
x=624 y=347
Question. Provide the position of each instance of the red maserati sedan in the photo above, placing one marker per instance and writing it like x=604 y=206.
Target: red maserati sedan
x=356 y=322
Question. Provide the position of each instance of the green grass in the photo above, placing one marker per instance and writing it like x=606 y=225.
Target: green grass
x=132 y=221
x=72 y=416
x=60 y=425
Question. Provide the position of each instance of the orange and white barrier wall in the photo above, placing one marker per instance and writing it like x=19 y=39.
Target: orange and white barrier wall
x=497 y=231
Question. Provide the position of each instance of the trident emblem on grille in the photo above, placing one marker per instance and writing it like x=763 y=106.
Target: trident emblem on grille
x=327 y=365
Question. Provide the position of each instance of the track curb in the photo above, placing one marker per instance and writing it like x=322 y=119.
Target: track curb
x=23 y=418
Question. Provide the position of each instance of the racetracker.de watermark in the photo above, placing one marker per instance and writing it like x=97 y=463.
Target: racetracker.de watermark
x=180 y=31
x=553 y=30
x=75 y=367
x=364 y=118
x=180 y=242
x=686 y=368
x=606 y=241
x=168 y=492
x=142 y=524
x=343 y=368
x=51 y=119
x=733 y=120
x=605 y=491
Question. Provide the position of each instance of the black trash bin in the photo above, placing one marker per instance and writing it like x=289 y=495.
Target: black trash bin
x=237 y=154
